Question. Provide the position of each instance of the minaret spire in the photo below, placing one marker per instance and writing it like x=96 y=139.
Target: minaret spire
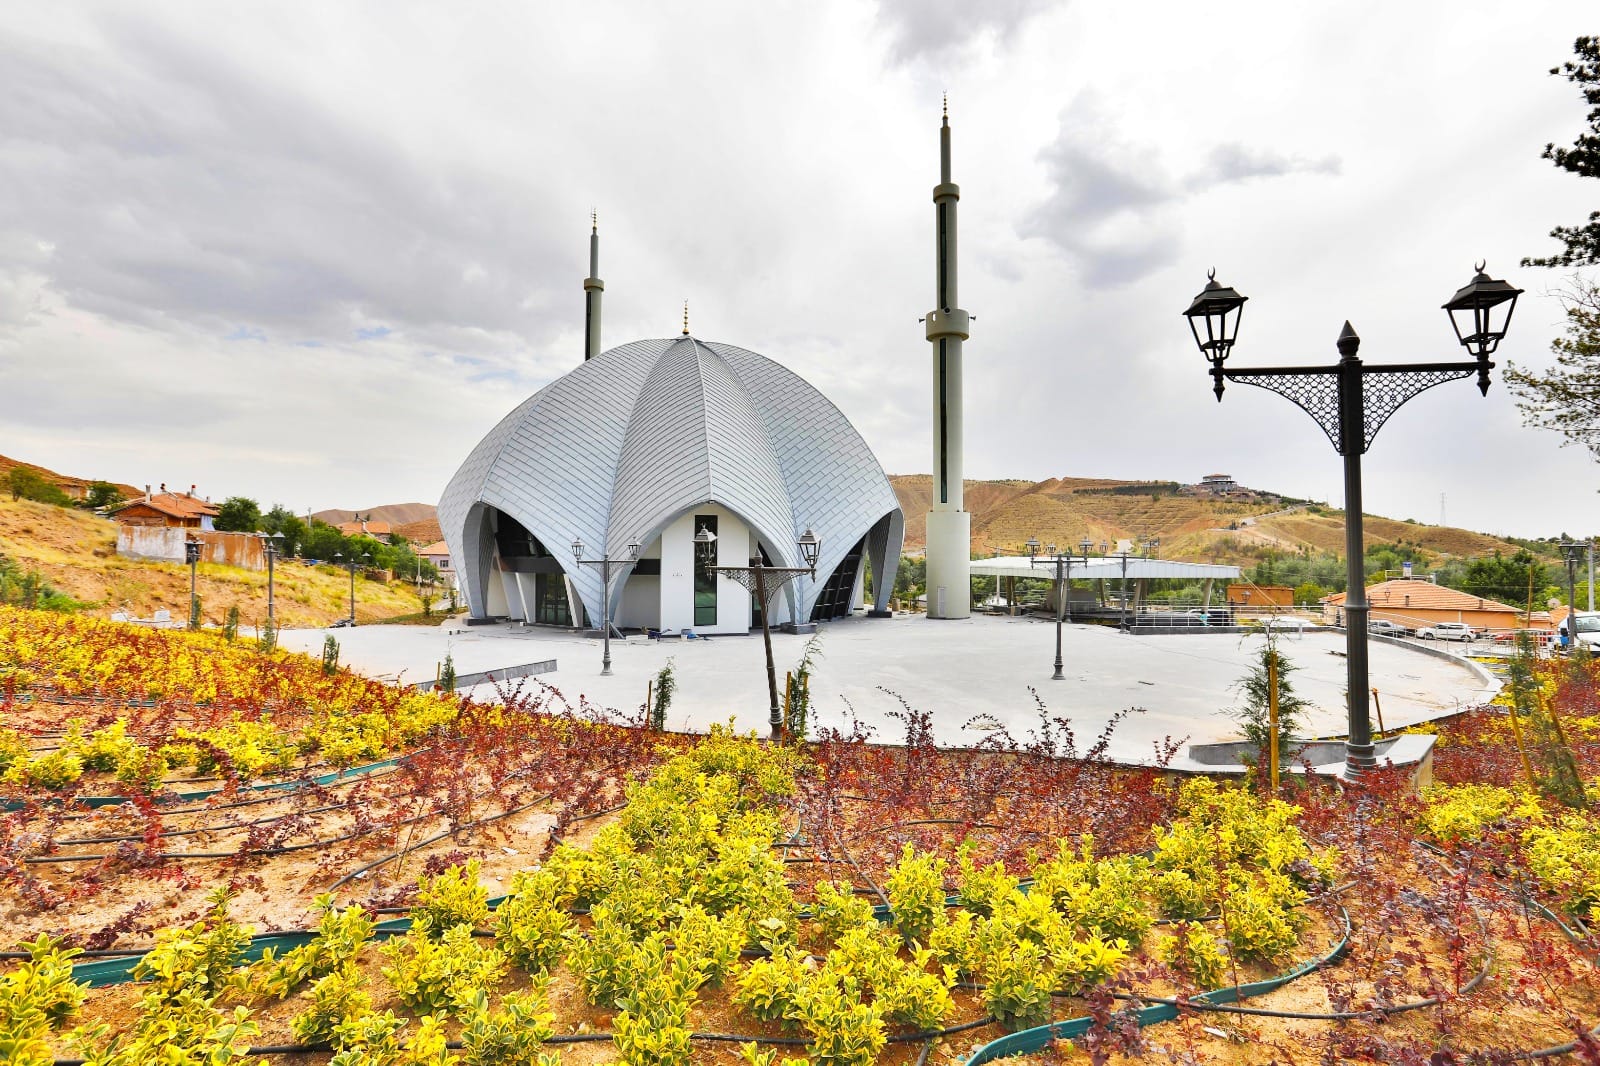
x=592 y=288
x=949 y=555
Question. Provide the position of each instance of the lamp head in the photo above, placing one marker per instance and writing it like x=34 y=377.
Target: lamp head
x=705 y=546
x=1218 y=309
x=1033 y=548
x=577 y=550
x=810 y=548
x=1476 y=315
x=633 y=550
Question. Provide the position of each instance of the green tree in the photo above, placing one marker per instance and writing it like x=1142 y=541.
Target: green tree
x=30 y=485
x=102 y=494
x=1566 y=397
x=1254 y=711
x=281 y=520
x=1583 y=158
x=238 y=514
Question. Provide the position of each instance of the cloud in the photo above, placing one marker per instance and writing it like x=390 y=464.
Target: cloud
x=169 y=185
x=940 y=29
x=1231 y=163
x=1113 y=206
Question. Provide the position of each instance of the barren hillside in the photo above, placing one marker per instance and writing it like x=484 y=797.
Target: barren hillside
x=72 y=486
x=396 y=514
x=1064 y=511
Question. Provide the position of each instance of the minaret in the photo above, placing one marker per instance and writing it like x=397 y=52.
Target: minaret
x=592 y=288
x=949 y=555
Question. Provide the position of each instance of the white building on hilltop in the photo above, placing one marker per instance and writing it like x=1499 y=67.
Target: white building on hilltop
x=646 y=444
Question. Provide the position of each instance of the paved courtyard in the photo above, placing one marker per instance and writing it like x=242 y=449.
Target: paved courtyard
x=957 y=671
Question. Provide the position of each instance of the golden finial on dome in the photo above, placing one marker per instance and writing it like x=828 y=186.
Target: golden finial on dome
x=686 y=318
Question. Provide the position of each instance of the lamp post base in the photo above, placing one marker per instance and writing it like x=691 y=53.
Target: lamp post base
x=1359 y=758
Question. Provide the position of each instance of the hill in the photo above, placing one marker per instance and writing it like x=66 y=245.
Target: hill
x=1201 y=528
x=77 y=553
x=396 y=514
x=75 y=487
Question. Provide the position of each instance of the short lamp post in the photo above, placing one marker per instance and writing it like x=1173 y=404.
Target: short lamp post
x=763 y=581
x=350 y=564
x=272 y=547
x=604 y=564
x=1573 y=552
x=191 y=555
x=1336 y=399
x=1063 y=564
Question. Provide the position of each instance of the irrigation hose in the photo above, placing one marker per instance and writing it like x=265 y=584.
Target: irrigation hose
x=929 y=1035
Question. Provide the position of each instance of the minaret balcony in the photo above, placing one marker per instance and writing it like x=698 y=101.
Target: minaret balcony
x=952 y=322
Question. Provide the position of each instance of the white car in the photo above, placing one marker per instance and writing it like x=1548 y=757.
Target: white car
x=1588 y=625
x=1447 y=631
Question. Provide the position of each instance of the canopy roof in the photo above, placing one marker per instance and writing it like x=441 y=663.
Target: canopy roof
x=1100 y=567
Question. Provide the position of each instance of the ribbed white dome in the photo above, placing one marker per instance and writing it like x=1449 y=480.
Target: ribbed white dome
x=616 y=449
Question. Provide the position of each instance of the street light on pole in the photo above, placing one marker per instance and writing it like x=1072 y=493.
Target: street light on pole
x=273 y=547
x=1063 y=564
x=755 y=577
x=366 y=557
x=1335 y=397
x=605 y=563
x=191 y=555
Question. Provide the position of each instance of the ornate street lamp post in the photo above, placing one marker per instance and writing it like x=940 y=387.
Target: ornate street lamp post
x=273 y=547
x=191 y=555
x=366 y=557
x=605 y=563
x=1063 y=564
x=1335 y=398
x=762 y=581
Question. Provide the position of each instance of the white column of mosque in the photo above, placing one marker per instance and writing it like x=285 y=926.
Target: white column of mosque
x=592 y=288
x=949 y=524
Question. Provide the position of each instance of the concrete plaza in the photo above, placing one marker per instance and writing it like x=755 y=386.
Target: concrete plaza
x=957 y=671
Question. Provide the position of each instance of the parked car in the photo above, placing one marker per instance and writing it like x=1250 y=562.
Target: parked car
x=1385 y=628
x=1588 y=629
x=1447 y=631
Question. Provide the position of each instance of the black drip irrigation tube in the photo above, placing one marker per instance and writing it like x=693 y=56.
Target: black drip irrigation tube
x=929 y=1035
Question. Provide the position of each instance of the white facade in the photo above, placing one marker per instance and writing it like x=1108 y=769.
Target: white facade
x=629 y=447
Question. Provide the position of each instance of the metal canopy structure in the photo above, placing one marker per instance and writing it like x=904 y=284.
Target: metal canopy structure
x=1102 y=567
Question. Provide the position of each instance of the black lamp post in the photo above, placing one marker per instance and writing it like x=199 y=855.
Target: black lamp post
x=273 y=547
x=1063 y=564
x=191 y=555
x=755 y=577
x=1335 y=397
x=1572 y=551
x=366 y=557
x=605 y=562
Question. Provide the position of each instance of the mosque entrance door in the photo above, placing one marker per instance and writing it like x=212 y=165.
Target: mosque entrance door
x=550 y=600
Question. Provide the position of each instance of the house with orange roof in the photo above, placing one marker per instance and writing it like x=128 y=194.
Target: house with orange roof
x=362 y=528
x=1413 y=602
x=174 y=510
x=438 y=553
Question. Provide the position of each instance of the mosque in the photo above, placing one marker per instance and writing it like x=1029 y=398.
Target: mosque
x=644 y=447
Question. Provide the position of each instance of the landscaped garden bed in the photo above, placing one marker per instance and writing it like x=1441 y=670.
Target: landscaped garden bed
x=257 y=851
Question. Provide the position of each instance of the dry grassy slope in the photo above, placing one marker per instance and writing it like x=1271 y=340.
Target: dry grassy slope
x=1006 y=513
x=77 y=553
x=65 y=482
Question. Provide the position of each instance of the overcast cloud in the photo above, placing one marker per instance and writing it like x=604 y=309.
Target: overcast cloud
x=311 y=253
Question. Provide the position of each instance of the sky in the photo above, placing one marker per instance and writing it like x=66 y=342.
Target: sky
x=311 y=253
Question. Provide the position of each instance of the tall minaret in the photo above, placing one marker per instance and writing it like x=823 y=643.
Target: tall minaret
x=949 y=555
x=592 y=288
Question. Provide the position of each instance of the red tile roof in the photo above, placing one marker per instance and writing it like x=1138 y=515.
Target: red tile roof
x=1424 y=595
x=176 y=504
